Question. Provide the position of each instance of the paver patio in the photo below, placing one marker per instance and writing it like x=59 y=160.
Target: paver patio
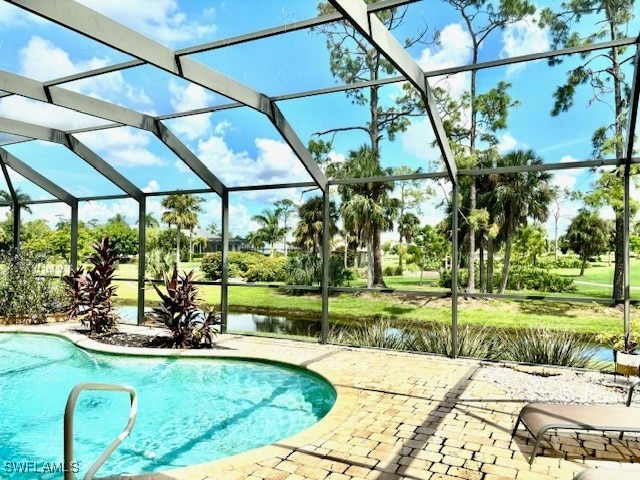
x=398 y=415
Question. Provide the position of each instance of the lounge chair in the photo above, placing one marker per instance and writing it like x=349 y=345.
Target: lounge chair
x=606 y=474
x=540 y=417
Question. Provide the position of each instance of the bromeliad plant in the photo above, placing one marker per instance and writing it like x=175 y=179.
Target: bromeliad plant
x=90 y=292
x=179 y=312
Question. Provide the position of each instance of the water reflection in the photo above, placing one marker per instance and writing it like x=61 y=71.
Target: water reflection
x=250 y=322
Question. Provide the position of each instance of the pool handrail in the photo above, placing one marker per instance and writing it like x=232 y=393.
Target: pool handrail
x=69 y=467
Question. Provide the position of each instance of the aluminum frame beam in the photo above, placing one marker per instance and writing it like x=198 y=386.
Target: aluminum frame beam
x=85 y=104
x=372 y=29
x=58 y=136
x=38 y=179
x=103 y=29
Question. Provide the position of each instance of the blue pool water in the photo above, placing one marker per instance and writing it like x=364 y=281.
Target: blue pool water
x=190 y=410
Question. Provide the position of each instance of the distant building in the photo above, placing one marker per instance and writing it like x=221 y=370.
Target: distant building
x=236 y=244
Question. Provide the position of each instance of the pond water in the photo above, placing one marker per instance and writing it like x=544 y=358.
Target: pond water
x=280 y=324
x=251 y=322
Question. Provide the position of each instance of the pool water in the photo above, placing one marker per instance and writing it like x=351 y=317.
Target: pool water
x=190 y=410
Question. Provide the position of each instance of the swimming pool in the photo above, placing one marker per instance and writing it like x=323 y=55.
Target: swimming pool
x=190 y=410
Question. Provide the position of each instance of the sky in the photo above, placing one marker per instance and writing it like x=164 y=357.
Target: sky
x=241 y=146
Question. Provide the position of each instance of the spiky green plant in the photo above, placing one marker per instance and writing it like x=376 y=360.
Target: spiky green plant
x=472 y=342
x=547 y=347
x=380 y=333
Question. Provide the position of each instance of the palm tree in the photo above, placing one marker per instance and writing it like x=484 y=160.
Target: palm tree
x=284 y=208
x=117 y=218
x=408 y=226
x=23 y=200
x=520 y=195
x=367 y=209
x=587 y=235
x=270 y=230
x=255 y=240
x=150 y=221
x=308 y=232
x=182 y=211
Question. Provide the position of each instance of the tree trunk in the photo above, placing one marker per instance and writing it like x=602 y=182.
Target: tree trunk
x=369 y=265
x=483 y=286
x=178 y=249
x=378 y=279
x=490 y=252
x=584 y=264
x=505 y=266
x=472 y=238
x=618 y=269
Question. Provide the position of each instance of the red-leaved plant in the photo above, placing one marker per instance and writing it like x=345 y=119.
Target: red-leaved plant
x=179 y=312
x=90 y=292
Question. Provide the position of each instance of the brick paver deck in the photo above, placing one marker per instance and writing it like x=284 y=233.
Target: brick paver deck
x=398 y=416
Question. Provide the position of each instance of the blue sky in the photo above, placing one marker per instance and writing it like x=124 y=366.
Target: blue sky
x=241 y=146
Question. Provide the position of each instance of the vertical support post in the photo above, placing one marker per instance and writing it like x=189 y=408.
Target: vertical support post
x=626 y=277
x=324 y=282
x=16 y=226
x=224 y=288
x=73 y=260
x=454 y=268
x=142 y=257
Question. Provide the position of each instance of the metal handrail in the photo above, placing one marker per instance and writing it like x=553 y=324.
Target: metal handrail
x=69 y=466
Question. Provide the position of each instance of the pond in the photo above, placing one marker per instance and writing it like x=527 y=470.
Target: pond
x=251 y=322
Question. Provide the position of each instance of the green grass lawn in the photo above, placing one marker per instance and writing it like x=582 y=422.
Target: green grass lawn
x=581 y=318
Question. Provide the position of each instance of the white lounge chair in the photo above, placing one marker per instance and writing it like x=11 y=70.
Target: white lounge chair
x=540 y=417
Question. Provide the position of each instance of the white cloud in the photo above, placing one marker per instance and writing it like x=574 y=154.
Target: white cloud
x=152 y=186
x=568 y=159
x=124 y=147
x=275 y=162
x=26 y=110
x=159 y=19
x=506 y=143
x=522 y=38
x=42 y=60
x=454 y=49
x=564 y=180
x=190 y=97
x=417 y=140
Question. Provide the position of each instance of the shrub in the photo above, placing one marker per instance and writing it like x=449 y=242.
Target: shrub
x=379 y=333
x=29 y=289
x=546 y=346
x=178 y=311
x=158 y=262
x=445 y=278
x=540 y=280
x=271 y=269
x=472 y=341
x=307 y=270
x=239 y=264
x=90 y=292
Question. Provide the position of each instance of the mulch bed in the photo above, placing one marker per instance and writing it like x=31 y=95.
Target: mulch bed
x=122 y=339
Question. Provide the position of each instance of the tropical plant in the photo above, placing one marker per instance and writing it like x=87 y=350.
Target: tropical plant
x=91 y=292
x=179 y=312
x=366 y=208
x=182 y=211
x=473 y=120
x=587 y=236
x=521 y=195
x=547 y=347
x=308 y=234
x=29 y=287
x=158 y=262
x=471 y=341
x=270 y=231
x=284 y=209
x=602 y=72
x=379 y=333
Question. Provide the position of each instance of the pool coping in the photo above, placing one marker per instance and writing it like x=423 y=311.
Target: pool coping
x=346 y=398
